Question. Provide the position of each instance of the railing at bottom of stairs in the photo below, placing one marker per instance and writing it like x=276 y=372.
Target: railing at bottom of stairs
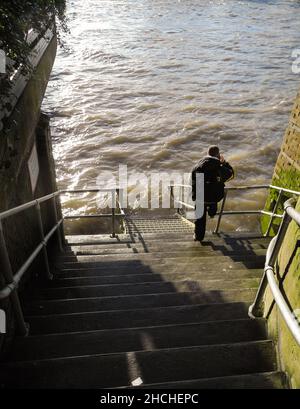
x=181 y=200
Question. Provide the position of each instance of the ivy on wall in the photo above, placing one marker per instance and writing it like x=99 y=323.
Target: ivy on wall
x=17 y=17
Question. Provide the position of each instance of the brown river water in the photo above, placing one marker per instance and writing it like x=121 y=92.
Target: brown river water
x=151 y=83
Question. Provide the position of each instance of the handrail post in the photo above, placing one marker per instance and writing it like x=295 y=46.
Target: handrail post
x=273 y=213
x=113 y=214
x=182 y=210
x=49 y=276
x=62 y=232
x=59 y=230
x=22 y=326
x=172 y=196
x=256 y=309
x=221 y=213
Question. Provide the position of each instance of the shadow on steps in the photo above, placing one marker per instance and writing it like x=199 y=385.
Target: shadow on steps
x=96 y=335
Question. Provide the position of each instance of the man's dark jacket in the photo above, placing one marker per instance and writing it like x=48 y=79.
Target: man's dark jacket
x=216 y=173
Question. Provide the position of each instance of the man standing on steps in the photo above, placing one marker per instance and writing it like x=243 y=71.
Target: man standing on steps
x=216 y=172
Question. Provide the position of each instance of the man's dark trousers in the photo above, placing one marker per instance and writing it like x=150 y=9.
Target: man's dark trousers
x=200 y=224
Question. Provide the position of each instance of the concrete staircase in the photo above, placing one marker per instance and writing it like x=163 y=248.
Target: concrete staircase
x=159 y=308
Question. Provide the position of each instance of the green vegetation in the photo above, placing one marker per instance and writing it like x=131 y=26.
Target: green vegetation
x=17 y=17
x=288 y=179
x=288 y=267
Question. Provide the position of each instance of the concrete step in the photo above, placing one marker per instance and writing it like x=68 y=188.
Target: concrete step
x=136 y=317
x=179 y=254
x=74 y=277
x=222 y=281
x=94 y=239
x=61 y=306
x=57 y=306
x=139 y=268
x=167 y=365
x=199 y=286
x=129 y=254
x=222 y=249
x=265 y=380
x=162 y=251
x=179 y=240
x=134 y=264
x=136 y=339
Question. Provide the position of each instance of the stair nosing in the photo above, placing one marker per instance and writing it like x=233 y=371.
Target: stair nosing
x=139 y=295
x=137 y=309
x=147 y=282
x=153 y=385
x=149 y=274
x=112 y=267
x=186 y=324
x=57 y=359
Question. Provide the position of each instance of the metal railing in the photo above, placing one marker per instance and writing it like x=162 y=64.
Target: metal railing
x=256 y=309
x=12 y=280
x=222 y=212
x=115 y=197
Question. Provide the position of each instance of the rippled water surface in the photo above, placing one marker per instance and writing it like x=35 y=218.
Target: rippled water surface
x=152 y=83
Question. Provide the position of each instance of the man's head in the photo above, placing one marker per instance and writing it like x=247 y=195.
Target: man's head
x=214 y=151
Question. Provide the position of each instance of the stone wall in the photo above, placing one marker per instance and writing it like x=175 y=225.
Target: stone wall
x=25 y=128
x=288 y=269
x=287 y=169
x=287 y=175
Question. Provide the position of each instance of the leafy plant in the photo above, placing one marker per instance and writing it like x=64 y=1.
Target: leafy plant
x=17 y=17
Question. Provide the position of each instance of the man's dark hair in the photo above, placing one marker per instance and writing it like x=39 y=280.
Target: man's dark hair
x=214 y=151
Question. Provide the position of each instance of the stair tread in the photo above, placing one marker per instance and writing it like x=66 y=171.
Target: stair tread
x=138 y=267
x=117 y=369
x=74 y=275
x=156 y=278
x=264 y=380
x=136 y=317
x=154 y=305
x=136 y=302
x=134 y=339
x=249 y=283
x=127 y=290
x=159 y=256
x=221 y=236
x=213 y=245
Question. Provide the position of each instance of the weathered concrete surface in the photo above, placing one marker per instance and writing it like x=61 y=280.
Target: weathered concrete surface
x=289 y=268
x=287 y=168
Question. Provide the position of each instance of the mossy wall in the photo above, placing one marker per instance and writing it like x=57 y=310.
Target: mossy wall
x=287 y=169
x=287 y=175
x=288 y=270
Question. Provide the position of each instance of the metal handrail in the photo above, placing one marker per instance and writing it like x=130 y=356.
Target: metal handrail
x=7 y=290
x=268 y=278
x=28 y=205
x=272 y=214
x=115 y=192
x=13 y=280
